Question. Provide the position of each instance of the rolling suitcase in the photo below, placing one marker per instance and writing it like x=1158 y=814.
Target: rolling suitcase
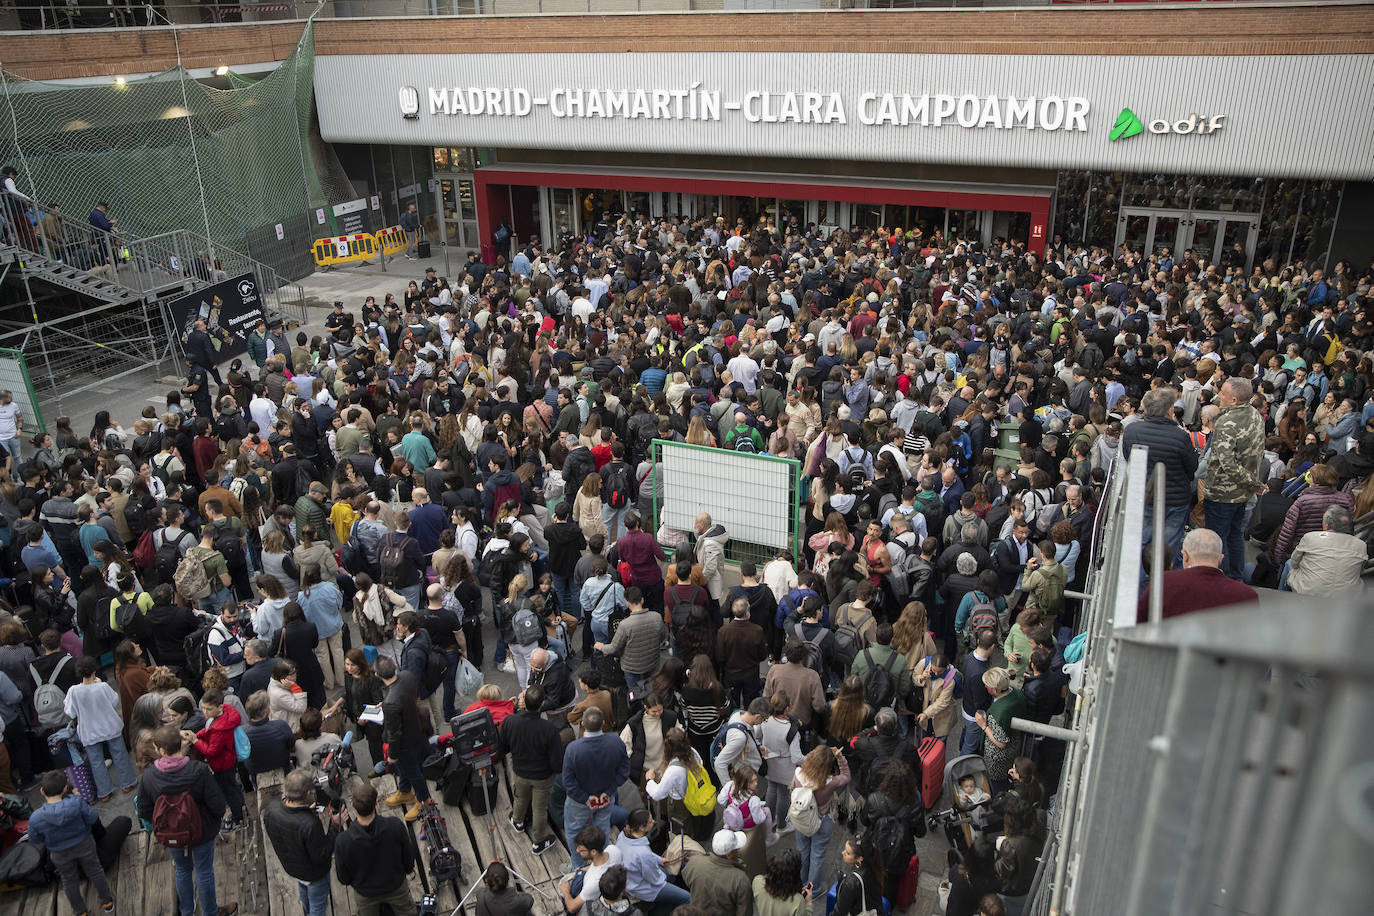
x=422 y=249
x=932 y=753
x=911 y=878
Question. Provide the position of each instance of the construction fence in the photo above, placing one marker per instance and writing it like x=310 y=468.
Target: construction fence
x=167 y=153
x=756 y=497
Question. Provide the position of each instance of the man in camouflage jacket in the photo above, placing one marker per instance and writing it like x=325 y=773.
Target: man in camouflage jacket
x=1234 y=454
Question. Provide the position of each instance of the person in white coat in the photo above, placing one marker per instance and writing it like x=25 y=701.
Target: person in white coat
x=710 y=553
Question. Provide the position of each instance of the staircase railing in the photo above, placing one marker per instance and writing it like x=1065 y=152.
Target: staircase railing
x=153 y=268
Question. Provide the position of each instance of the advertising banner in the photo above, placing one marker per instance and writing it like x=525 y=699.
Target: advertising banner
x=230 y=308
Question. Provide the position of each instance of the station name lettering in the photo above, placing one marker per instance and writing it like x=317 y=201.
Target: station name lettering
x=694 y=103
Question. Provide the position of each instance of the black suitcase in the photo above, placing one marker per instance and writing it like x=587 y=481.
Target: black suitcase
x=422 y=249
x=479 y=794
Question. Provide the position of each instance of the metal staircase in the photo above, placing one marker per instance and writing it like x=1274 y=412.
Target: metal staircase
x=40 y=267
x=120 y=324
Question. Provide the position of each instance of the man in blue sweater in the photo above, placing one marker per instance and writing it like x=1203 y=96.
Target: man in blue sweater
x=595 y=766
x=63 y=824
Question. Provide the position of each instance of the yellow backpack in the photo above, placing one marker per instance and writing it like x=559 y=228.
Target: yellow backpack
x=701 y=793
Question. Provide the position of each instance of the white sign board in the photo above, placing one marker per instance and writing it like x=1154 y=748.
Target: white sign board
x=1201 y=114
x=750 y=495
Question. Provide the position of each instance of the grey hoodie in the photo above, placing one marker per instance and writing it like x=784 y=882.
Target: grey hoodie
x=881 y=367
x=1104 y=450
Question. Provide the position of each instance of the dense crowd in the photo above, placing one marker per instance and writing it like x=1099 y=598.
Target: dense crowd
x=326 y=537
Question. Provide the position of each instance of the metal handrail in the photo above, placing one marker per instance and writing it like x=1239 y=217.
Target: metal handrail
x=148 y=267
x=145 y=267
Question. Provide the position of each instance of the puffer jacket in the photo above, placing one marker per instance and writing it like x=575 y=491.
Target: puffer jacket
x=1305 y=515
x=1169 y=444
x=215 y=742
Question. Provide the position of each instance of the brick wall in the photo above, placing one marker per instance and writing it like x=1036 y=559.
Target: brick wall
x=1206 y=31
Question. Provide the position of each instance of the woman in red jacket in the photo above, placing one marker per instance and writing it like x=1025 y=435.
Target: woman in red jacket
x=215 y=744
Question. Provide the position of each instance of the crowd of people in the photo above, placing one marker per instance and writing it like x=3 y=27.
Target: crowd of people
x=341 y=522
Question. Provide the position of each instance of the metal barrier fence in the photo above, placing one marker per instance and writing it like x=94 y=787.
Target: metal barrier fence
x=1218 y=762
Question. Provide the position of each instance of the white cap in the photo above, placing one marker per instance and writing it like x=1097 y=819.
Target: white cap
x=727 y=841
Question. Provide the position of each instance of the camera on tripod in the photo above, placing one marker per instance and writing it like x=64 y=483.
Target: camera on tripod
x=335 y=764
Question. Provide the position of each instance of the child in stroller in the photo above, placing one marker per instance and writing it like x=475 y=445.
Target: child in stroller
x=969 y=792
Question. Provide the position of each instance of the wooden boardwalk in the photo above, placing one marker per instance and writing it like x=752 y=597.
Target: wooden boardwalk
x=248 y=873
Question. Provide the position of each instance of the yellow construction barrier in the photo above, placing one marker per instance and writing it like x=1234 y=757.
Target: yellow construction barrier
x=345 y=249
x=393 y=240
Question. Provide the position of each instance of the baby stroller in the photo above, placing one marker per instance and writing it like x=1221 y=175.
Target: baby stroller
x=967 y=816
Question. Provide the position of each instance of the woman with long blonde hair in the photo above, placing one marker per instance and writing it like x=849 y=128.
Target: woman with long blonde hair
x=911 y=635
x=517 y=599
x=586 y=507
x=698 y=433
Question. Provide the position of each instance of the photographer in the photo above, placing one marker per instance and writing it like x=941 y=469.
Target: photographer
x=373 y=857
x=300 y=840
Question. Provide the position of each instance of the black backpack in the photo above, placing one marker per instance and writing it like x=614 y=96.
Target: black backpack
x=27 y=864
x=391 y=559
x=815 y=659
x=135 y=517
x=168 y=556
x=880 y=688
x=847 y=638
x=436 y=665
x=618 y=486
x=230 y=545
x=858 y=472
x=124 y=613
x=196 y=646
x=892 y=839
x=100 y=626
x=684 y=612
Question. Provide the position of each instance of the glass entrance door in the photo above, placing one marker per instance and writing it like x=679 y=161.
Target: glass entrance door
x=1219 y=238
x=1149 y=230
x=1227 y=239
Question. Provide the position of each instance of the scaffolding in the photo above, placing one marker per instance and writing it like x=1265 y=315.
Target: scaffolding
x=87 y=306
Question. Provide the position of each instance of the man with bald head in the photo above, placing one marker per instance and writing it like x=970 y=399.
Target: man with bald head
x=1200 y=585
x=1234 y=453
x=427 y=520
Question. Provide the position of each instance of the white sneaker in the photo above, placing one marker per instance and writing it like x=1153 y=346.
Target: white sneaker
x=507 y=666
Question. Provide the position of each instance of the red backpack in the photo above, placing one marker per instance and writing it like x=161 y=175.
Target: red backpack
x=176 y=821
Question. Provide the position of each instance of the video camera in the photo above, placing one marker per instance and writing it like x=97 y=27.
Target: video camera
x=335 y=764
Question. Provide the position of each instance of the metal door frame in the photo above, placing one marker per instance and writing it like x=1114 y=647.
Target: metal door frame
x=1225 y=216
x=1187 y=219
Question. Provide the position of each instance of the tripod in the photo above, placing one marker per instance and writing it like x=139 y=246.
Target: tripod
x=482 y=765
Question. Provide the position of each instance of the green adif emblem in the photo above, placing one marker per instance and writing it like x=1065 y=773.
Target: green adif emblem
x=1127 y=125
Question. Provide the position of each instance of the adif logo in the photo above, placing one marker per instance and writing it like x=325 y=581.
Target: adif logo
x=1128 y=124
x=409 y=98
x=246 y=288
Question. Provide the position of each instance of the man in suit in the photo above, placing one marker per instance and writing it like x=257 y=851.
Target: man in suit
x=1010 y=555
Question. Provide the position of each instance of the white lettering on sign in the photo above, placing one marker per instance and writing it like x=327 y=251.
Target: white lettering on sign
x=1049 y=113
x=1193 y=124
x=971 y=111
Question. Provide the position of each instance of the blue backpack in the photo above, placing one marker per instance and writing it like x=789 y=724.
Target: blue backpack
x=243 y=748
x=718 y=743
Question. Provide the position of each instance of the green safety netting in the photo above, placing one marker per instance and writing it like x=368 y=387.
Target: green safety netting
x=168 y=152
